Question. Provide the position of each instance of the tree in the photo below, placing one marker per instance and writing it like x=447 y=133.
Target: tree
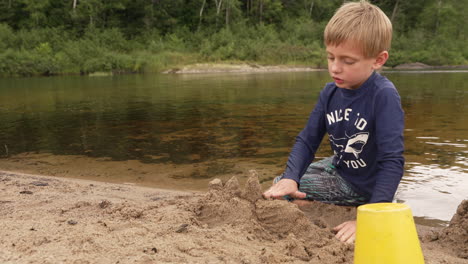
x=36 y=11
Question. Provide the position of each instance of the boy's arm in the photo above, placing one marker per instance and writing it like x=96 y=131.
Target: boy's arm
x=307 y=142
x=389 y=127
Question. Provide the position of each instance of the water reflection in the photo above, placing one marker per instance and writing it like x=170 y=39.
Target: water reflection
x=432 y=191
x=179 y=131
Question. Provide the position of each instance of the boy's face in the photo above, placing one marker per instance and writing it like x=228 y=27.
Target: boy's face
x=348 y=66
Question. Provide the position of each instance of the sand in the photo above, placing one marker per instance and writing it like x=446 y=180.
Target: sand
x=46 y=219
x=167 y=175
x=200 y=68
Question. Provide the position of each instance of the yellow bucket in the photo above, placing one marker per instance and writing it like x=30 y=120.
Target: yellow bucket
x=386 y=234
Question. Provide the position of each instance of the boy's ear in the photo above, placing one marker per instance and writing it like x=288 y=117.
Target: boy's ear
x=380 y=60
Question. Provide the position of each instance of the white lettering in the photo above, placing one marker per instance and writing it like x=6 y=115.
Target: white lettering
x=361 y=124
x=338 y=115
x=347 y=162
x=361 y=163
x=330 y=118
x=346 y=113
x=355 y=164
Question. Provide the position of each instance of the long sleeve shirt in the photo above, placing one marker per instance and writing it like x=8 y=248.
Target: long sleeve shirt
x=365 y=129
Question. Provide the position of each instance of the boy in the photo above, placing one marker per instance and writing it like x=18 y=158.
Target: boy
x=360 y=111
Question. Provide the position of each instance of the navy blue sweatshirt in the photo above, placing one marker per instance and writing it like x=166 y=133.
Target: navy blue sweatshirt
x=365 y=128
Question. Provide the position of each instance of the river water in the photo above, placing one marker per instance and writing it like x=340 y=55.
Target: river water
x=180 y=131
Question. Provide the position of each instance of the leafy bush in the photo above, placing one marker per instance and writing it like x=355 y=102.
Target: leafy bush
x=6 y=36
x=26 y=63
x=109 y=38
x=48 y=51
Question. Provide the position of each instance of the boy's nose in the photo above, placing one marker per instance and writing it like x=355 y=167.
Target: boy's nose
x=335 y=68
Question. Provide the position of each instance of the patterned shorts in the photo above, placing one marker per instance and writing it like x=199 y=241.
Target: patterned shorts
x=321 y=182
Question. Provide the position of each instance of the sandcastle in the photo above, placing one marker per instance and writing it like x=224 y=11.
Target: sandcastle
x=270 y=221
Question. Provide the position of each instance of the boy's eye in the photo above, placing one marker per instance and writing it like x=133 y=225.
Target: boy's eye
x=349 y=62
x=330 y=58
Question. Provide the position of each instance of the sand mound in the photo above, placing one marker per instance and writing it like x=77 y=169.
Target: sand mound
x=412 y=66
x=328 y=215
x=53 y=220
x=455 y=236
x=270 y=221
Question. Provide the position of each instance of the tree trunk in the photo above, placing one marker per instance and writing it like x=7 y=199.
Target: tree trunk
x=439 y=6
x=227 y=16
x=311 y=8
x=74 y=4
x=260 y=13
x=218 y=4
x=201 y=14
x=395 y=10
x=151 y=20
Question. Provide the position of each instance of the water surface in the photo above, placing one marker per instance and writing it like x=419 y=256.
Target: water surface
x=180 y=131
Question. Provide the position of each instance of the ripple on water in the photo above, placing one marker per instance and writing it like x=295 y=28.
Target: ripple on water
x=433 y=191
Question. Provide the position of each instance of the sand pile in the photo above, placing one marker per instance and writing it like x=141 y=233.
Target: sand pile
x=268 y=221
x=455 y=236
x=55 y=220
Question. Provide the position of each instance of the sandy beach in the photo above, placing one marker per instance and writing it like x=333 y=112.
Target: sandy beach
x=238 y=68
x=47 y=219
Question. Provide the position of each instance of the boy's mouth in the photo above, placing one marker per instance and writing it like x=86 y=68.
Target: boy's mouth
x=338 y=80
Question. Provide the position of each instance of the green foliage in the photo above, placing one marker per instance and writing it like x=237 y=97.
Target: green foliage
x=263 y=43
x=302 y=30
x=54 y=37
x=110 y=38
x=26 y=63
x=36 y=10
x=6 y=36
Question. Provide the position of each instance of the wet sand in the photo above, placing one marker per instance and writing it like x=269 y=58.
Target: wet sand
x=199 y=68
x=57 y=220
x=167 y=175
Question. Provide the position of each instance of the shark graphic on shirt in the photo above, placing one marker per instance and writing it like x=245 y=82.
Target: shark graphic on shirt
x=350 y=144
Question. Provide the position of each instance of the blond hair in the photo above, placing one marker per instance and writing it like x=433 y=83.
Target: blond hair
x=364 y=24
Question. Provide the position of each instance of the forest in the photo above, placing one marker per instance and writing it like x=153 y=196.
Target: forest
x=52 y=37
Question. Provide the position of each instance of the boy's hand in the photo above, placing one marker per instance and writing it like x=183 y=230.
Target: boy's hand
x=346 y=232
x=282 y=188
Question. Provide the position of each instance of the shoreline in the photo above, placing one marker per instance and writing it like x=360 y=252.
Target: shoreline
x=179 y=177
x=247 y=67
x=204 y=68
x=200 y=68
x=51 y=219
